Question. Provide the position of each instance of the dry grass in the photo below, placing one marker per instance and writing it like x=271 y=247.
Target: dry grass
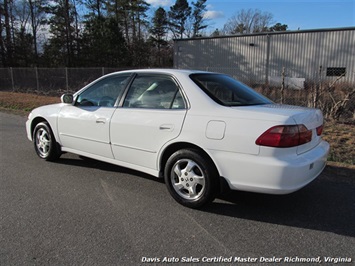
x=340 y=136
x=342 y=142
x=24 y=102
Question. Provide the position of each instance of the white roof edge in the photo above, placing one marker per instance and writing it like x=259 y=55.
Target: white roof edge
x=161 y=70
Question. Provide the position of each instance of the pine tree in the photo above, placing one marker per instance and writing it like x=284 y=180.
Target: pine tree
x=178 y=15
x=103 y=43
x=160 y=26
x=197 y=17
x=24 y=53
x=158 y=33
x=278 y=27
x=61 y=46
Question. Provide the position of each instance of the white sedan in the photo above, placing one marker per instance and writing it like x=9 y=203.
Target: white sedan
x=194 y=129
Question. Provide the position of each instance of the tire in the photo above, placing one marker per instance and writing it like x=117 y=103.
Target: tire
x=45 y=144
x=191 y=179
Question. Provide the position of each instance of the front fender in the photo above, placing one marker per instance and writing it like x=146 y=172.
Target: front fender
x=48 y=113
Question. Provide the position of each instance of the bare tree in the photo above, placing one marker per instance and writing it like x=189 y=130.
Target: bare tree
x=339 y=106
x=21 y=14
x=2 y=40
x=7 y=43
x=248 y=21
x=37 y=18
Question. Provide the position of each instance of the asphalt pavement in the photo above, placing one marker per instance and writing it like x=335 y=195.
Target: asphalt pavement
x=78 y=211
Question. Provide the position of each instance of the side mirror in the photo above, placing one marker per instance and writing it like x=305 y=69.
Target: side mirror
x=67 y=98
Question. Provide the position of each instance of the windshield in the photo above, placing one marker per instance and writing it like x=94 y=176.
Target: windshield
x=228 y=91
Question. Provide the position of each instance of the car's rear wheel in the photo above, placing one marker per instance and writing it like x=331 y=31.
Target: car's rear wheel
x=44 y=142
x=191 y=178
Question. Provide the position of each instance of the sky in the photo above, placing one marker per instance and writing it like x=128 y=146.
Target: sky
x=297 y=14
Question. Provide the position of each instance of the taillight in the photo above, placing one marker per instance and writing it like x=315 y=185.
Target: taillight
x=285 y=136
x=319 y=130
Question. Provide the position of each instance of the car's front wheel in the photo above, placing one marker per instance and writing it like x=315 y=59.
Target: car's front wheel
x=191 y=178
x=44 y=142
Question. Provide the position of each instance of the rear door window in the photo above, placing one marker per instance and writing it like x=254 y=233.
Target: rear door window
x=154 y=92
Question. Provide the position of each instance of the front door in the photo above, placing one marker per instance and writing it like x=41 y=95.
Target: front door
x=84 y=127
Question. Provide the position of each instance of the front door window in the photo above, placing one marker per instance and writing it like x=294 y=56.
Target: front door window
x=103 y=93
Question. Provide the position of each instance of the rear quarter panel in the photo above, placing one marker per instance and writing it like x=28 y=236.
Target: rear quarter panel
x=242 y=128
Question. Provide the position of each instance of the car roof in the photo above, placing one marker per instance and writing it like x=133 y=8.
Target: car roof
x=171 y=71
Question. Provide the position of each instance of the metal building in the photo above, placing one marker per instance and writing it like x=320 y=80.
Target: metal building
x=304 y=55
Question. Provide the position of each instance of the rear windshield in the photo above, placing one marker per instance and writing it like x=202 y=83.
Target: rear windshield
x=228 y=91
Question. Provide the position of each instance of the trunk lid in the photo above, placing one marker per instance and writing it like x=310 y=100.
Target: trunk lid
x=309 y=117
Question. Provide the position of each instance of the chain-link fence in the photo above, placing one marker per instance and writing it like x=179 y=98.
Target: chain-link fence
x=49 y=81
x=335 y=97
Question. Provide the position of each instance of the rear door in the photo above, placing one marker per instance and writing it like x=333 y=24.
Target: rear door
x=152 y=114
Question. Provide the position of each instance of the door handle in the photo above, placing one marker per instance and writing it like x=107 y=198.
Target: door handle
x=166 y=127
x=101 y=121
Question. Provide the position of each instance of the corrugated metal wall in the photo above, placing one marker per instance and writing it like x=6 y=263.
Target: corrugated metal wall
x=258 y=58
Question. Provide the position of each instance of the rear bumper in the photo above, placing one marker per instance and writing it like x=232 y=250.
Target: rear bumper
x=272 y=175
